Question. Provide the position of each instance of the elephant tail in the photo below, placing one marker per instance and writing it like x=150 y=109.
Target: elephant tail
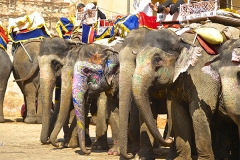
x=34 y=69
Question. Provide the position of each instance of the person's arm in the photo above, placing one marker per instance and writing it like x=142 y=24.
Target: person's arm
x=174 y=8
x=142 y=5
x=135 y=4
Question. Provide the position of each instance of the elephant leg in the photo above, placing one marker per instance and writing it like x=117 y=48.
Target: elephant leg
x=66 y=128
x=114 y=122
x=202 y=131
x=235 y=145
x=3 y=86
x=134 y=127
x=170 y=132
x=5 y=71
x=72 y=138
x=30 y=94
x=100 y=142
x=53 y=118
x=146 y=143
x=183 y=137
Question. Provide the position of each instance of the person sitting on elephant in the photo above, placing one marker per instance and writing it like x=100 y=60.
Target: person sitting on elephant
x=142 y=6
x=167 y=7
x=80 y=7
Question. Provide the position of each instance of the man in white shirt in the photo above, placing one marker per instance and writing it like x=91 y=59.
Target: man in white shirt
x=142 y=6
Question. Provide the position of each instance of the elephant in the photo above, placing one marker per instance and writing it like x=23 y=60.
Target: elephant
x=52 y=57
x=26 y=74
x=5 y=71
x=133 y=43
x=227 y=67
x=63 y=66
x=193 y=89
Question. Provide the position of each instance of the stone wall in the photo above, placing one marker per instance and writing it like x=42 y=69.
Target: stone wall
x=51 y=10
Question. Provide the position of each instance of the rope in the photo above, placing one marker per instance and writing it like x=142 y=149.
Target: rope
x=110 y=11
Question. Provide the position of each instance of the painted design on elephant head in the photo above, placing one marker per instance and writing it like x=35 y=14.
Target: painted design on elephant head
x=210 y=71
x=144 y=54
x=236 y=56
x=95 y=58
x=83 y=72
x=143 y=59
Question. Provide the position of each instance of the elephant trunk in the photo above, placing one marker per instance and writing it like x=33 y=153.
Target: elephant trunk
x=125 y=94
x=79 y=89
x=231 y=91
x=142 y=80
x=47 y=81
x=65 y=101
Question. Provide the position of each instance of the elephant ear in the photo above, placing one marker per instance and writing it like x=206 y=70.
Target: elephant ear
x=185 y=59
x=236 y=56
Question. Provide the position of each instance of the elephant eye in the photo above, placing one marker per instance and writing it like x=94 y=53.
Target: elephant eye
x=157 y=59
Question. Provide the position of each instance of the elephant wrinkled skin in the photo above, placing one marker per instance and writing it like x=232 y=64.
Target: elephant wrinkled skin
x=26 y=74
x=60 y=61
x=193 y=90
x=5 y=71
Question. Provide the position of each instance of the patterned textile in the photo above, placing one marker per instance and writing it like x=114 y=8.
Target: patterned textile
x=65 y=27
x=121 y=26
x=127 y=24
x=28 y=27
x=87 y=34
x=3 y=39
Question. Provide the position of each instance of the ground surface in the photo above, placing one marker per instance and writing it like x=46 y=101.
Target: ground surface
x=20 y=141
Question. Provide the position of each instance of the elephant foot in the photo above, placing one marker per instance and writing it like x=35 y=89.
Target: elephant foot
x=100 y=144
x=2 y=119
x=115 y=150
x=70 y=143
x=39 y=120
x=145 y=154
x=137 y=157
x=30 y=120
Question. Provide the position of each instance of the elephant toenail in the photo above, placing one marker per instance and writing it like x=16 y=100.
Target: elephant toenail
x=110 y=152
x=115 y=153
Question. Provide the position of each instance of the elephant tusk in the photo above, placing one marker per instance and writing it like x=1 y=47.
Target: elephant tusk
x=134 y=52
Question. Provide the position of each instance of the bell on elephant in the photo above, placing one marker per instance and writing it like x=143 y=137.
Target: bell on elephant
x=89 y=114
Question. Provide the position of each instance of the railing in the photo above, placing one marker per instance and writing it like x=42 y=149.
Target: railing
x=190 y=11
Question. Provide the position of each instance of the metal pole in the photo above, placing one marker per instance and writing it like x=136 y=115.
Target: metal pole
x=128 y=6
x=30 y=59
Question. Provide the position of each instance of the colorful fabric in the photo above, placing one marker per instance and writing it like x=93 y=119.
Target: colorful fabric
x=27 y=35
x=121 y=26
x=147 y=21
x=206 y=46
x=3 y=39
x=129 y=23
x=87 y=34
x=65 y=26
x=29 y=27
x=104 y=34
x=124 y=25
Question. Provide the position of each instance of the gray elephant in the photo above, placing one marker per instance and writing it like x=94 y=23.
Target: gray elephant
x=227 y=67
x=26 y=75
x=193 y=90
x=52 y=57
x=89 y=53
x=133 y=43
x=5 y=71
